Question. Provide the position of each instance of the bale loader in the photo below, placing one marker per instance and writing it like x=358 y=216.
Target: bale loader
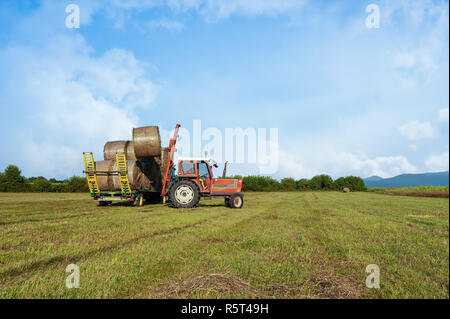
x=195 y=180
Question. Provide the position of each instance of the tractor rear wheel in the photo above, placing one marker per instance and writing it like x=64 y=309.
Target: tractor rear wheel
x=184 y=194
x=236 y=201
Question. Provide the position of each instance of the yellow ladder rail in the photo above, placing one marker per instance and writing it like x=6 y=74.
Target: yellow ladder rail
x=121 y=161
x=91 y=176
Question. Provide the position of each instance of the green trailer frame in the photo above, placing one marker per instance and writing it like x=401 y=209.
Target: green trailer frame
x=105 y=198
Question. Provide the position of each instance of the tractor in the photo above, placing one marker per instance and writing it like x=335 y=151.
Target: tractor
x=195 y=179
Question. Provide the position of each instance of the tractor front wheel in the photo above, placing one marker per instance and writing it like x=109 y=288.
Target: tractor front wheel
x=184 y=194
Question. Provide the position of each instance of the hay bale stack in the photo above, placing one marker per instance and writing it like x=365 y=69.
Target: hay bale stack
x=147 y=142
x=146 y=161
x=111 y=148
x=346 y=190
x=142 y=175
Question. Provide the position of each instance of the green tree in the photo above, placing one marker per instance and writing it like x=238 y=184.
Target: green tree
x=58 y=187
x=339 y=184
x=321 y=182
x=355 y=183
x=326 y=182
x=77 y=184
x=41 y=184
x=302 y=184
x=2 y=185
x=12 y=179
x=260 y=184
x=288 y=184
x=315 y=183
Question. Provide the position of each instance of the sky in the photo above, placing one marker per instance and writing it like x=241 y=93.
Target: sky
x=345 y=99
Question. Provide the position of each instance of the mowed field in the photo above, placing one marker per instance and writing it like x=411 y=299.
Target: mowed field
x=280 y=245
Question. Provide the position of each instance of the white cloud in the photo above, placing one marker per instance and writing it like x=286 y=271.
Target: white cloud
x=217 y=9
x=166 y=24
x=443 y=115
x=415 y=130
x=438 y=162
x=340 y=163
x=78 y=101
x=420 y=60
x=214 y=9
x=226 y=8
x=413 y=11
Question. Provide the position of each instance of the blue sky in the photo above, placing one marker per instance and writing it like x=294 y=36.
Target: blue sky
x=347 y=100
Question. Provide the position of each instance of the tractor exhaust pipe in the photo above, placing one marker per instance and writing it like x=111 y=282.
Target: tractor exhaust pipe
x=224 y=174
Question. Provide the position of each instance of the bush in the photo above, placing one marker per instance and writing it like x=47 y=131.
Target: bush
x=41 y=185
x=354 y=183
x=58 y=188
x=302 y=184
x=77 y=184
x=288 y=184
x=314 y=183
x=2 y=185
x=260 y=184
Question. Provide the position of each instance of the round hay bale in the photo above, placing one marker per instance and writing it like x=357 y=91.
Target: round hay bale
x=147 y=142
x=140 y=174
x=111 y=148
x=346 y=190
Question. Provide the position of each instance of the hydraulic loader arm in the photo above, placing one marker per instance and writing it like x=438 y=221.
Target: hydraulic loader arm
x=169 y=167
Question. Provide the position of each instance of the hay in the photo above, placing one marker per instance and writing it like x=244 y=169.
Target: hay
x=142 y=175
x=333 y=286
x=224 y=285
x=111 y=148
x=346 y=190
x=147 y=142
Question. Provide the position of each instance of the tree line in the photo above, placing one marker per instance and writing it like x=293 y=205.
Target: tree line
x=11 y=180
x=319 y=182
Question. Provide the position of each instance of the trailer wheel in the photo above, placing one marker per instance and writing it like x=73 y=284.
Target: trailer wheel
x=139 y=201
x=184 y=194
x=227 y=201
x=104 y=203
x=236 y=201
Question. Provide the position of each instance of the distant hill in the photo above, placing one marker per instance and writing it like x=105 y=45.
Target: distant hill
x=373 y=179
x=409 y=180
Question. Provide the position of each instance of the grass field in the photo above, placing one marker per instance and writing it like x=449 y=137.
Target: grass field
x=418 y=191
x=412 y=189
x=284 y=245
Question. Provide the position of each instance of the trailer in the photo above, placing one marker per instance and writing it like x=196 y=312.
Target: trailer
x=105 y=198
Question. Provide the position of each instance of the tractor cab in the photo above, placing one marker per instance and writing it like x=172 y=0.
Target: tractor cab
x=197 y=168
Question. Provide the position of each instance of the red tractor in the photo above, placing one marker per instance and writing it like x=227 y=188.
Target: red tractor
x=195 y=179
